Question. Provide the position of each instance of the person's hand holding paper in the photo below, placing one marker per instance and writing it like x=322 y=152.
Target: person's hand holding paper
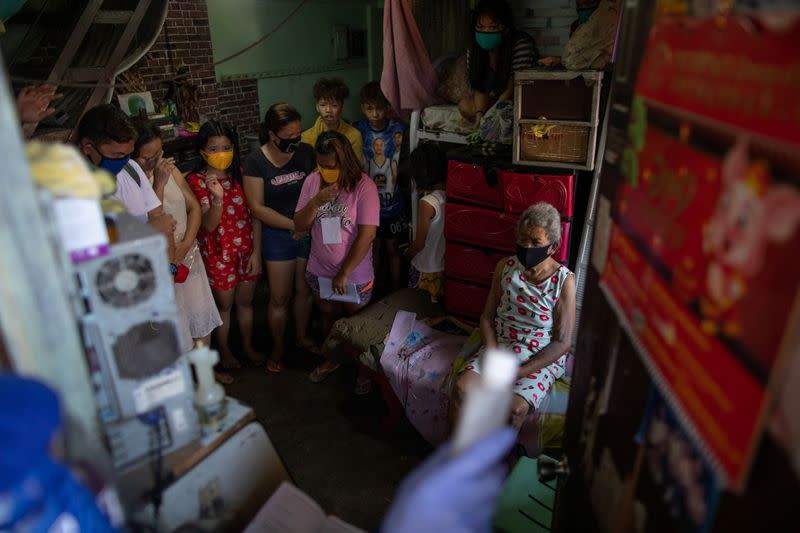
x=349 y=292
x=339 y=283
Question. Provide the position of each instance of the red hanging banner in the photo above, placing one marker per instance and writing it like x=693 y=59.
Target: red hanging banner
x=702 y=258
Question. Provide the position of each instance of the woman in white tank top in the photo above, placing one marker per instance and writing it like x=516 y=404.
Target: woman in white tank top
x=197 y=311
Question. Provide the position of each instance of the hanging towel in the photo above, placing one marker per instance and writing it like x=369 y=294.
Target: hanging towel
x=408 y=79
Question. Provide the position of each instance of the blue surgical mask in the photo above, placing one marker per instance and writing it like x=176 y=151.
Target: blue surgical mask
x=488 y=40
x=114 y=166
x=585 y=13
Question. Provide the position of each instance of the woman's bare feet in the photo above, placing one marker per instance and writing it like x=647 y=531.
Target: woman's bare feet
x=227 y=360
x=255 y=357
x=309 y=346
x=322 y=371
x=223 y=377
x=274 y=366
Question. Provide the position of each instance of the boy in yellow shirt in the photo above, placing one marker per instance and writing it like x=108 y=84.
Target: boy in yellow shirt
x=330 y=95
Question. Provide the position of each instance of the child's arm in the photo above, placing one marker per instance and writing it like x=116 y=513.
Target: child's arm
x=426 y=214
x=304 y=218
x=254 y=264
x=254 y=193
x=212 y=211
x=193 y=216
x=488 y=333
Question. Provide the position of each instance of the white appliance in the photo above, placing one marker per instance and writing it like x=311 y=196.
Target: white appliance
x=143 y=384
x=226 y=489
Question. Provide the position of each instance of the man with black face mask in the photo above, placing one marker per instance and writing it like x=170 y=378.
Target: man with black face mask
x=106 y=137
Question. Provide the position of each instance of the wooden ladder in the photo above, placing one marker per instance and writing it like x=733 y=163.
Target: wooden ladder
x=103 y=77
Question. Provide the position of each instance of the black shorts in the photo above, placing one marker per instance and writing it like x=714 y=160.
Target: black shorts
x=394 y=228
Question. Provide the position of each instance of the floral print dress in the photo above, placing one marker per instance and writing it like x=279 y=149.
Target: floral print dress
x=524 y=323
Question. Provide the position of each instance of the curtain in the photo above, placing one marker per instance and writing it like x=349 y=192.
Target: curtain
x=408 y=79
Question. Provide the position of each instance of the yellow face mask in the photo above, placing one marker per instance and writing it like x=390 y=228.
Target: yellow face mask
x=219 y=160
x=329 y=175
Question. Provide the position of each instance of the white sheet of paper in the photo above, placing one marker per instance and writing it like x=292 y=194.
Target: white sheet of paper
x=326 y=292
x=82 y=228
x=289 y=510
x=331 y=230
x=334 y=524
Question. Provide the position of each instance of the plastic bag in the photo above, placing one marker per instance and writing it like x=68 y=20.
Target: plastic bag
x=497 y=125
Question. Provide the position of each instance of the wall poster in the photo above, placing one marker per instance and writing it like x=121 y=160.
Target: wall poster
x=702 y=257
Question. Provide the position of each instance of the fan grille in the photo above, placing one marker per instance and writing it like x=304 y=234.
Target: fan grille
x=126 y=281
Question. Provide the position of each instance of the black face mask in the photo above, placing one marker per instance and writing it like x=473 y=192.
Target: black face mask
x=287 y=145
x=530 y=257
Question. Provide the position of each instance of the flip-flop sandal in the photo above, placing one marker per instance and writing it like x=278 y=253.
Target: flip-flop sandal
x=362 y=388
x=274 y=367
x=318 y=375
x=223 y=377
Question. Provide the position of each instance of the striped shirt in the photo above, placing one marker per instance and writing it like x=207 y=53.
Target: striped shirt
x=523 y=57
x=524 y=53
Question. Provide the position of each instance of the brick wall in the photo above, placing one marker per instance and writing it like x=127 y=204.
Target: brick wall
x=185 y=44
x=548 y=21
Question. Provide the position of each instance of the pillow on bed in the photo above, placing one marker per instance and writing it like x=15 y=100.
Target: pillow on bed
x=454 y=80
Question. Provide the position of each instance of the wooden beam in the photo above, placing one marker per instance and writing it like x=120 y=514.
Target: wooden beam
x=68 y=53
x=99 y=93
x=109 y=16
x=75 y=41
x=83 y=74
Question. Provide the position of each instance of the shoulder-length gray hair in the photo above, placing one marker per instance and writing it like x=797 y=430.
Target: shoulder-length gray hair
x=545 y=216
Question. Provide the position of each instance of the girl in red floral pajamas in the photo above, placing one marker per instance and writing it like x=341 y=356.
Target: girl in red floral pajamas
x=229 y=237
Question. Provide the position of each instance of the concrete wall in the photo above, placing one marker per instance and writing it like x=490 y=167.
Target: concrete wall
x=548 y=21
x=287 y=64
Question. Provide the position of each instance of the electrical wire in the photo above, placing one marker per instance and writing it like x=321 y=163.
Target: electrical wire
x=157 y=456
x=88 y=85
x=265 y=36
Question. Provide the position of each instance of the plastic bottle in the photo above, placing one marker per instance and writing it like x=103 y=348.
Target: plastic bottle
x=488 y=405
x=209 y=397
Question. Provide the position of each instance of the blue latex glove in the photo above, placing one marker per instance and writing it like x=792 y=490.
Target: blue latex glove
x=452 y=493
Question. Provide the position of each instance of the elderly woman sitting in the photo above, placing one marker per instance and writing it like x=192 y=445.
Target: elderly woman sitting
x=530 y=311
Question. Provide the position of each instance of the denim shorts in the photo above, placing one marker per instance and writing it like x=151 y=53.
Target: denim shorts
x=278 y=245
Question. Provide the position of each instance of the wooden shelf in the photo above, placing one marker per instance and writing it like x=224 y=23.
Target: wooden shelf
x=558 y=122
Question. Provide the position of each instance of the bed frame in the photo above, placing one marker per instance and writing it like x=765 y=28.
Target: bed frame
x=418 y=131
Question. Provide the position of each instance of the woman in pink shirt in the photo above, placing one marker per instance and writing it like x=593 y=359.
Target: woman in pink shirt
x=339 y=204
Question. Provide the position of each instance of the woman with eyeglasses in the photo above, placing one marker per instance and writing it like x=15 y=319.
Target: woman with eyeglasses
x=197 y=312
